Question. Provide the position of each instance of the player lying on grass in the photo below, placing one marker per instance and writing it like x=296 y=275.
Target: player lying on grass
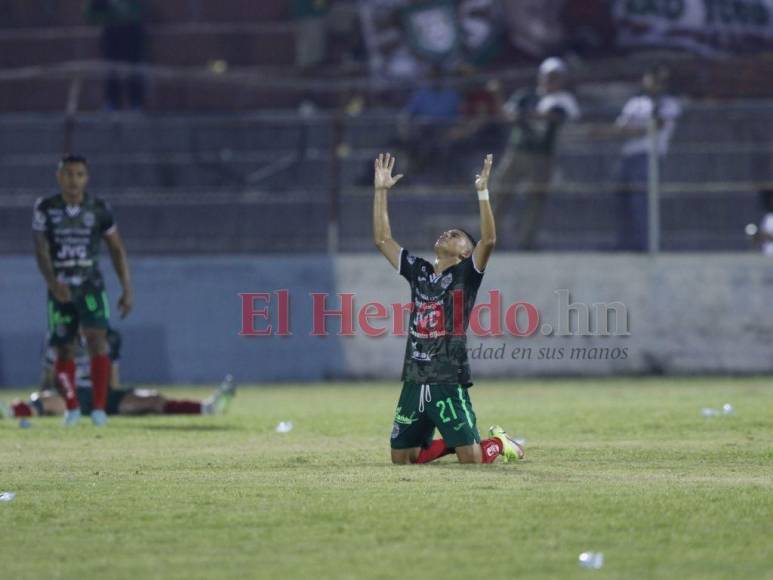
x=436 y=374
x=48 y=402
x=68 y=230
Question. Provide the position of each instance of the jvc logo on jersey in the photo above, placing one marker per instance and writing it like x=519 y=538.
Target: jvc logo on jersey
x=428 y=318
x=67 y=251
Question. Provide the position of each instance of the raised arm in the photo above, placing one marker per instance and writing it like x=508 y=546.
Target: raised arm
x=121 y=265
x=382 y=233
x=488 y=229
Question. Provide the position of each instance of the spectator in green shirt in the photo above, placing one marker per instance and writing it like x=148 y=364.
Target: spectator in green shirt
x=537 y=116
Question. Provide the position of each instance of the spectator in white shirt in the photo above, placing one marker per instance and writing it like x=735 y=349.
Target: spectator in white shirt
x=633 y=122
x=536 y=116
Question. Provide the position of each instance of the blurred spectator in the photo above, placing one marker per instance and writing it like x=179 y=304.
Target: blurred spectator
x=122 y=42
x=426 y=120
x=347 y=45
x=589 y=27
x=310 y=18
x=479 y=130
x=652 y=105
x=534 y=26
x=527 y=162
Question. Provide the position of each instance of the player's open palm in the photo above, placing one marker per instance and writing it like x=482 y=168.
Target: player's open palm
x=383 y=178
x=481 y=180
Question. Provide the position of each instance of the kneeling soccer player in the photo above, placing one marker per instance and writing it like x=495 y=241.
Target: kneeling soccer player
x=436 y=373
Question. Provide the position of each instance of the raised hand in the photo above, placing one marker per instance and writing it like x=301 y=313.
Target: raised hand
x=481 y=180
x=383 y=177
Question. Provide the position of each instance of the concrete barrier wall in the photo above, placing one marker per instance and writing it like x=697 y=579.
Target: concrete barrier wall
x=186 y=320
x=696 y=313
x=699 y=313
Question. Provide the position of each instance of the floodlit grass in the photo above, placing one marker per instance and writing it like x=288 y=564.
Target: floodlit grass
x=626 y=467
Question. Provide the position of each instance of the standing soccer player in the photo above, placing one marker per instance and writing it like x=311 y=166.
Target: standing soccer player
x=67 y=229
x=436 y=374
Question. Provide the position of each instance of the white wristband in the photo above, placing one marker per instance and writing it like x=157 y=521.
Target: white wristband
x=483 y=195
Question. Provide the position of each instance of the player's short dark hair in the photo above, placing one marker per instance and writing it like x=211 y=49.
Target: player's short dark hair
x=473 y=241
x=72 y=158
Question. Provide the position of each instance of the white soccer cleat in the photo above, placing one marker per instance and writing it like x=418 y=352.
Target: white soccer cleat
x=99 y=418
x=72 y=417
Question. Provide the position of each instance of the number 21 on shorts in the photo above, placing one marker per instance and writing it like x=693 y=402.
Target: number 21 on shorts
x=442 y=406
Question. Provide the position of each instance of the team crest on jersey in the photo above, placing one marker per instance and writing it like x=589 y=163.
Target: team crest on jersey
x=411 y=260
x=446 y=280
x=88 y=219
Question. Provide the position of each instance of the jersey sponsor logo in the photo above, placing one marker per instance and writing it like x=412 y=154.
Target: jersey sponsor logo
x=428 y=320
x=403 y=419
x=67 y=251
x=418 y=355
x=459 y=426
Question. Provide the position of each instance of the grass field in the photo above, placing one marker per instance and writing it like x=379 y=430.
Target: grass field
x=626 y=467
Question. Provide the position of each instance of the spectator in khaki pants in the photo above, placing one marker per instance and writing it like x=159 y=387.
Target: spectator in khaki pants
x=527 y=163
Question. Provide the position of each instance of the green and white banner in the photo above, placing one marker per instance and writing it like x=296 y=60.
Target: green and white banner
x=706 y=26
x=405 y=37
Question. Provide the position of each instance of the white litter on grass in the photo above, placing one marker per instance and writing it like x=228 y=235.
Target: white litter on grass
x=727 y=409
x=7 y=496
x=284 y=427
x=594 y=560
